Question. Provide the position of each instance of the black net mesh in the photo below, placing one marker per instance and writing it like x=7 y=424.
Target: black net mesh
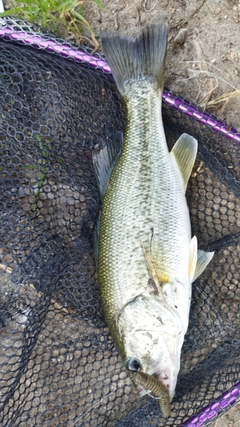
x=58 y=363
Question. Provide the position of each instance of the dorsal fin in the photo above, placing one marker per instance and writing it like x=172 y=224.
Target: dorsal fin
x=105 y=156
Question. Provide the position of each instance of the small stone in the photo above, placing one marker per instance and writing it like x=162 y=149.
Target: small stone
x=181 y=36
x=233 y=56
x=218 y=11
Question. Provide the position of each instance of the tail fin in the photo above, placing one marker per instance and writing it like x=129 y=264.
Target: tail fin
x=131 y=59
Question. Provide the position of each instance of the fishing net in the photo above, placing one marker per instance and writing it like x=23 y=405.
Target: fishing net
x=58 y=364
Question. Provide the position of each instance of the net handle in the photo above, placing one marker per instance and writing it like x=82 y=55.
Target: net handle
x=215 y=408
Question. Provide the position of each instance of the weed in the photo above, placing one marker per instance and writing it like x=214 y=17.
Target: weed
x=56 y=15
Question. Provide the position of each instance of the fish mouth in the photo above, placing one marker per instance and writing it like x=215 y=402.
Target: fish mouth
x=168 y=379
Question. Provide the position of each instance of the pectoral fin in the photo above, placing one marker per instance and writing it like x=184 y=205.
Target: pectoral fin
x=203 y=259
x=184 y=154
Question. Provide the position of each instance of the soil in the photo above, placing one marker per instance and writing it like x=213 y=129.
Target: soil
x=203 y=61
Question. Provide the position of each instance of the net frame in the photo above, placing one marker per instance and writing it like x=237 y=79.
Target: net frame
x=69 y=51
x=56 y=46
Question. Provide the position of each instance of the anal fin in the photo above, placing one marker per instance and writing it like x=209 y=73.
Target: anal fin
x=184 y=155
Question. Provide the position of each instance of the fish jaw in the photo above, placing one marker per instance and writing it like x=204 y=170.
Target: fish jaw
x=169 y=375
x=166 y=368
x=153 y=335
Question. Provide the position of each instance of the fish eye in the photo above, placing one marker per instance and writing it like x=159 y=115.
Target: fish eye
x=132 y=364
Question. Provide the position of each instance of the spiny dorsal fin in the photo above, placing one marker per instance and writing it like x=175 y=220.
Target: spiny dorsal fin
x=203 y=259
x=184 y=154
x=132 y=59
x=96 y=238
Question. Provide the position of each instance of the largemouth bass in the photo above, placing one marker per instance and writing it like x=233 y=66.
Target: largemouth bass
x=147 y=257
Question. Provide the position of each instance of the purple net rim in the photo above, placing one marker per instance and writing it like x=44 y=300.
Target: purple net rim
x=211 y=411
x=52 y=46
x=67 y=51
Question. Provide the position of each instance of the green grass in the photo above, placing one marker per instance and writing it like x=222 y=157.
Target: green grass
x=65 y=18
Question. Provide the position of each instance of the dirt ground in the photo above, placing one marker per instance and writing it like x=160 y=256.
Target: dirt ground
x=203 y=61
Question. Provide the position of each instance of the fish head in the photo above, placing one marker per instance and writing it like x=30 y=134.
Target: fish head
x=151 y=341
